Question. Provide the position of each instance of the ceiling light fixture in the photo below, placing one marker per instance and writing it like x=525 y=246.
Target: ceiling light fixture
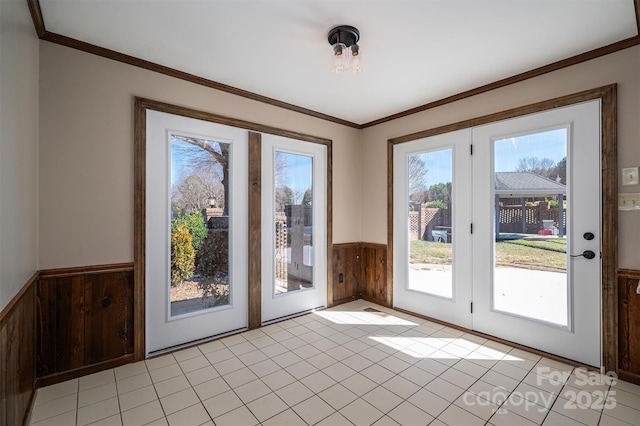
x=346 y=52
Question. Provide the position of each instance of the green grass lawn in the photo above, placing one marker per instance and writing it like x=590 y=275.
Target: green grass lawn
x=540 y=255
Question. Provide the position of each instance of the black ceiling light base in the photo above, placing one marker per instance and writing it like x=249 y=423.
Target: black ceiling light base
x=344 y=34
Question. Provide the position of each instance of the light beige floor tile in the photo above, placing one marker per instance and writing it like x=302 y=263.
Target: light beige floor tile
x=360 y=412
x=207 y=348
x=137 y=397
x=286 y=359
x=190 y=416
x=267 y=406
x=535 y=395
x=323 y=360
x=476 y=405
x=221 y=404
x=387 y=421
x=278 y=379
x=569 y=408
x=307 y=351
x=264 y=368
x=239 y=377
x=555 y=419
x=132 y=383
x=504 y=417
x=336 y=419
x=525 y=408
x=417 y=376
x=429 y=402
x=444 y=389
x=458 y=378
x=219 y=355
x=162 y=421
x=339 y=371
x=164 y=373
x=143 y=414
x=337 y=396
x=96 y=379
x=173 y=385
x=239 y=417
x=545 y=383
x=179 y=401
x=211 y=388
x=383 y=399
x=98 y=411
x=129 y=370
x=359 y=384
x=498 y=379
x=252 y=390
x=186 y=354
x=202 y=375
x=455 y=415
x=56 y=391
x=394 y=364
x=340 y=352
x=626 y=386
x=492 y=393
x=408 y=414
x=253 y=357
x=622 y=412
x=195 y=363
x=431 y=366
x=54 y=408
x=242 y=348
x=377 y=373
x=97 y=394
x=293 y=343
x=318 y=381
x=228 y=366
x=159 y=362
x=294 y=393
x=623 y=397
x=64 y=419
x=607 y=420
x=313 y=410
x=233 y=340
x=301 y=370
x=288 y=417
x=115 y=420
x=274 y=350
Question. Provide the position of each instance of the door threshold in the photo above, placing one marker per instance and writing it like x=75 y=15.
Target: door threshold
x=192 y=343
x=297 y=314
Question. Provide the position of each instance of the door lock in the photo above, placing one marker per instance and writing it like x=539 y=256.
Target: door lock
x=588 y=236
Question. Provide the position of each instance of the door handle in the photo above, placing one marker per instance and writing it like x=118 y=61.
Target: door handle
x=587 y=254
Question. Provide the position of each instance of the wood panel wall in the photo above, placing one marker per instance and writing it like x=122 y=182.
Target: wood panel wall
x=18 y=356
x=84 y=321
x=374 y=285
x=629 y=325
x=346 y=273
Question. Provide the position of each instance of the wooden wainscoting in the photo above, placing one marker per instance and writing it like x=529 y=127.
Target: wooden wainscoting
x=629 y=325
x=374 y=285
x=84 y=321
x=346 y=273
x=18 y=355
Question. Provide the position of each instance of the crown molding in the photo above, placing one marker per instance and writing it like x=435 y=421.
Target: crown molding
x=43 y=34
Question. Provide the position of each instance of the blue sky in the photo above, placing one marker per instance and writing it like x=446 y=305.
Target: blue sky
x=550 y=144
x=298 y=172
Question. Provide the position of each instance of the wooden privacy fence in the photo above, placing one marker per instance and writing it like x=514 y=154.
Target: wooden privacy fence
x=426 y=219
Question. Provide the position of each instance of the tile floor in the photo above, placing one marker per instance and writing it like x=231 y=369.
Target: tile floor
x=343 y=366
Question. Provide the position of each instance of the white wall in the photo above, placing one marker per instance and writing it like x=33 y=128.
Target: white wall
x=18 y=148
x=621 y=67
x=86 y=153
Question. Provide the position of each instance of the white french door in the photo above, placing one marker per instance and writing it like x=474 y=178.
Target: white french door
x=431 y=227
x=505 y=241
x=294 y=226
x=196 y=230
x=553 y=303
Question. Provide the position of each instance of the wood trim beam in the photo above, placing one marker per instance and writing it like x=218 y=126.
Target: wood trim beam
x=255 y=230
x=139 y=228
x=86 y=270
x=329 y=225
x=609 y=284
x=36 y=17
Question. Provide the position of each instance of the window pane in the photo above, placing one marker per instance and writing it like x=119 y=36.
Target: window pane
x=530 y=205
x=294 y=222
x=430 y=222
x=199 y=224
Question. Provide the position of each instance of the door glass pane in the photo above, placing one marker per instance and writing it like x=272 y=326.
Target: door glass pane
x=199 y=224
x=530 y=211
x=294 y=222
x=430 y=222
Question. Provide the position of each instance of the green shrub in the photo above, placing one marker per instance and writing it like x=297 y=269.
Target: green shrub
x=194 y=222
x=213 y=256
x=182 y=254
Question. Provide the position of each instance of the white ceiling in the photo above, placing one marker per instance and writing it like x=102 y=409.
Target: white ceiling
x=413 y=51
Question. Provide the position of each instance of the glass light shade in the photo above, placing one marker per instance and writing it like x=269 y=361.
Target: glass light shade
x=341 y=58
x=356 y=64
